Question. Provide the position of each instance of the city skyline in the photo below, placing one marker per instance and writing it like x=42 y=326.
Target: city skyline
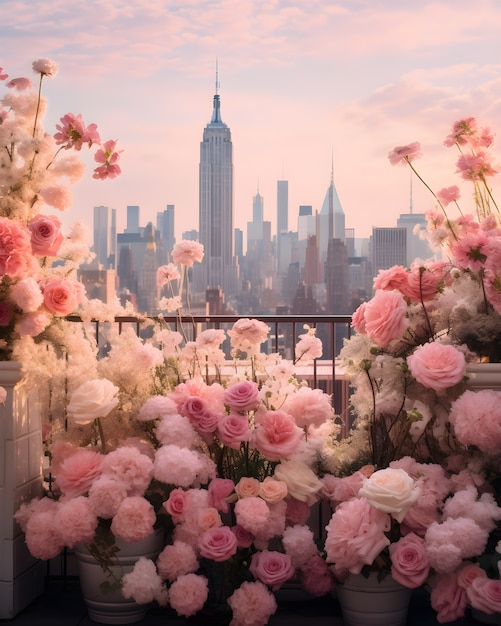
x=302 y=88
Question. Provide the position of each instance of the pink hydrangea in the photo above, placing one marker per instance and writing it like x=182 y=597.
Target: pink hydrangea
x=252 y=514
x=299 y=544
x=45 y=66
x=476 y=418
x=128 y=465
x=26 y=294
x=157 y=407
x=452 y=541
x=177 y=466
x=187 y=253
x=252 y=604
x=134 y=519
x=437 y=366
x=188 y=594
x=56 y=196
x=75 y=521
x=386 y=317
x=177 y=559
x=143 y=583
x=42 y=538
x=106 y=495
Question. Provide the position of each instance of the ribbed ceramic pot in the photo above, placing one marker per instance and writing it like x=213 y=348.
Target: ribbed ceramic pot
x=112 y=607
x=367 y=602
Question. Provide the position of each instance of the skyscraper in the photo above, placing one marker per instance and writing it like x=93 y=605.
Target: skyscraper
x=282 y=215
x=101 y=235
x=219 y=267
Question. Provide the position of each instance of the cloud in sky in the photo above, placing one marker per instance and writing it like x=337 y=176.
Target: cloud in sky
x=301 y=83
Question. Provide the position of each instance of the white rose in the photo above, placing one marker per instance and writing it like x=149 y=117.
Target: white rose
x=390 y=490
x=302 y=483
x=95 y=398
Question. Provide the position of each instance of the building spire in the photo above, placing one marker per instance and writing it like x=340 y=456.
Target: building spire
x=216 y=111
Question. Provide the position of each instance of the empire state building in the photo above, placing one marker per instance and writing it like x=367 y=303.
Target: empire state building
x=219 y=267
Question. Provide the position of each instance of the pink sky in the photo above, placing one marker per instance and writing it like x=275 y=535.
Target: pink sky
x=301 y=83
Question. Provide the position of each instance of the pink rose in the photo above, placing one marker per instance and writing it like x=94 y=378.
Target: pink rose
x=437 y=366
x=233 y=429
x=271 y=568
x=468 y=572
x=15 y=248
x=218 y=544
x=386 y=317
x=392 y=278
x=409 y=563
x=423 y=282
x=46 y=235
x=277 y=436
x=244 y=537
x=242 y=396
x=61 y=296
x=358 y=319
x=484 y=595
x=248 y=487
x=176 y=504
x=447 y=598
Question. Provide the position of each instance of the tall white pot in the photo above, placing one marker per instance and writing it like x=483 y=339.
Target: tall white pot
x=21 y=576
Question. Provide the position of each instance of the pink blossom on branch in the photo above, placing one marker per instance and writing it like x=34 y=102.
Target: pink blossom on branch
x=74 y=134
x=108 y=156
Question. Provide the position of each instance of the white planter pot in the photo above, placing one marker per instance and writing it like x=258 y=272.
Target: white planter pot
x=21 y=576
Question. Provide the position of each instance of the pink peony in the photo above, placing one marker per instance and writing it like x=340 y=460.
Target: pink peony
x=218 y=544
x=271 y=568
x=252 y=605
x=409 y=562
x=46 y=235
x=476 y=419
x=356 y=535
x=75 y=521
x=425 y=281
x=277 y=436
x=37 y=520
x=437 y=366
x=134 y=519
x=447 y=598
x=187 y=253
x=248 y=334
x=386 y=317
x=309 y=407
x=358 y=319
x=484 y=594
x=252 y=514
x=177 y=560
x=233 y=429
x=188 y=594
x=76 y=473
x=242 y=396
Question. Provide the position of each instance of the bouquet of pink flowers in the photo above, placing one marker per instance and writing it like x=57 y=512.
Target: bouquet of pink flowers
x=422 y=463
x=35 y=170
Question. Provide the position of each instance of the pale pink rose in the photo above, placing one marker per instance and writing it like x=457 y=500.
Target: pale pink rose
x=129 y=465
x=395 y=277
x=134 y=519
x=277 y=436
x=92 y=399
x=386 y=317
x=390 y=490
x=26 y=294
x=177 y=560
x=176 y=504
x=61 y=295
x=447 y=598
x=46 y=235
x=218 y=544
x=356 y=535
x=302 y=483
x=32 y=324
x=143 y=584
x=75 y=521
x=405 y=154
x=271 y=568
x=45 y=66
x=244 y=537
x=247 y=487
x=248 y=334
x=358 y=319
x=424 y=282
x=252 y=604
x=76 y=473
x=219 y=491
x=316 y=577
x=15 y=248
x=242 y=396
x=468 y=572
x=233 y=429
x=252 y=514
x=106 y=495
x=272 y=490
x=309 y=407
x=476 y=419
x=188 y=594
x=484 y=594
x=210 y=339
x=409 y=562
x=209 y=518
x=56 y=196
x=187 y=253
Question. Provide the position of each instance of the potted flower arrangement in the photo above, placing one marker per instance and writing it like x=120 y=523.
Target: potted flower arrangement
x=421 y=466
